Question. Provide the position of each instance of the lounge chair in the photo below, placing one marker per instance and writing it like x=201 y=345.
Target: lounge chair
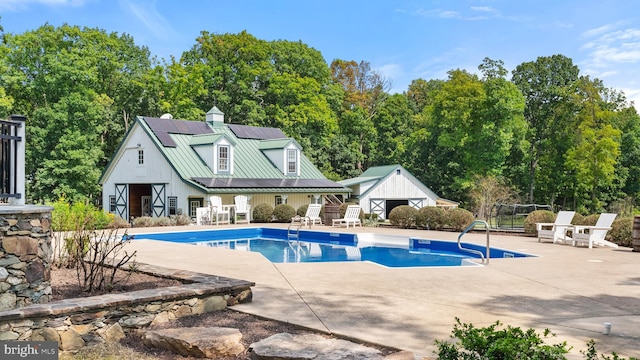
x=243 y=209
x=557 y=230
x=351 y=216
x=594 y=235
x=313 y=215
x=221 y=213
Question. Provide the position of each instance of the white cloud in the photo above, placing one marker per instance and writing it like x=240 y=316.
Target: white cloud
x=610 y=46
x=149 y=16
x=22 y=5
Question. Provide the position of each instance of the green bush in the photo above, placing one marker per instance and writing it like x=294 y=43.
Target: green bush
x=493 y=343
x=283 y=213
x=302 y=210
x=577 y=219
x=430 y=218
x=537 y=216
x=589 y=220
x=79 y=215
x=262 y=213
x=403 y=216
x=458 y=219
x=621 y=232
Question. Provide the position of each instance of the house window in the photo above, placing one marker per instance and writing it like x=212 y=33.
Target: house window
x=397 y=171
x=173 y=205
x=112 y=204
x=292 y=161
x=280 y=200
x=223 y=158
x=193 y=205
x=140 y=157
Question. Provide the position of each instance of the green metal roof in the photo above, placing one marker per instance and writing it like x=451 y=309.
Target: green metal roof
x=249 y=162
x=378 y=173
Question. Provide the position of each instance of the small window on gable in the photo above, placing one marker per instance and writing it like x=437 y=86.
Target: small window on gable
x=223 y=158
x=140 y=157
x=397 y=171
x=292 y=162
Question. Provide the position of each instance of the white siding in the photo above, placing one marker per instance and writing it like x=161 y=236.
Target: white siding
x=399 y=187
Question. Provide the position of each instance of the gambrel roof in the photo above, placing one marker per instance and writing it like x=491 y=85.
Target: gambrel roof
x=253 y=171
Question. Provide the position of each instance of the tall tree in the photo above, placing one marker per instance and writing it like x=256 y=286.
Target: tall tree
x=545 y=84
x=67 y=81
x=365 y=90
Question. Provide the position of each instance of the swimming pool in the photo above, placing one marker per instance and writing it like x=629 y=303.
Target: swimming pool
x=319 y=246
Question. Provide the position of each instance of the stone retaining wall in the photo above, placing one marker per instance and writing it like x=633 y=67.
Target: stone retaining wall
x=78 y=322
x=25 y=253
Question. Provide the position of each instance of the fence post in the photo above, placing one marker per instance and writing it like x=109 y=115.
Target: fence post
x=18 y=161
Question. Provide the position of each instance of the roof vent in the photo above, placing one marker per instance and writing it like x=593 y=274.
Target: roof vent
x=166 y=116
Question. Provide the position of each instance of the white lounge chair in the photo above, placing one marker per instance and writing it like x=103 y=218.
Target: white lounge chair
x=221 y=213
x=313 y=215
x=557 y=230
x=243 y=209
x=351 y=216
x=594 y=235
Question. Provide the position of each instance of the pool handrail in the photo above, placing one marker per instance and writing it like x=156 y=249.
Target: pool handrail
x=485 y=260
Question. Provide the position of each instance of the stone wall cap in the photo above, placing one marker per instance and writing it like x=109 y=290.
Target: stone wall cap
x=24 y=209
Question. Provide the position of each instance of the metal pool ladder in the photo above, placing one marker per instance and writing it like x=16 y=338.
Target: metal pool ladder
x=485 y=260
x=293 y=231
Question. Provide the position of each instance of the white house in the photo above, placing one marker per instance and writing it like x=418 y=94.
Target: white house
x=380 y=189
x=165 y=167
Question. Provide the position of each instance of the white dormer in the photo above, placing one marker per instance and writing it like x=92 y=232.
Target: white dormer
x=217 y=151
x=284 y=154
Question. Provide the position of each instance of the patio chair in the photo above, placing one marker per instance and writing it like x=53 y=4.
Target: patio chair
x=557 y=230
x=221 y=213
x=594 y=235
x=351 y=216
x=313 y=215
x=243 y=209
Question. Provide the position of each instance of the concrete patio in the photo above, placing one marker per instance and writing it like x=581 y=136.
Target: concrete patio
x=571 y=291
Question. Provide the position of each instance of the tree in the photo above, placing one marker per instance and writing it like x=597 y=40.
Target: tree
x=70 y=81
x=594 y=155
x=364 y=92
x=545 y=84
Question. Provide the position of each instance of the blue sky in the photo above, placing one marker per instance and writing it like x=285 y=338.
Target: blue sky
x=403 y=40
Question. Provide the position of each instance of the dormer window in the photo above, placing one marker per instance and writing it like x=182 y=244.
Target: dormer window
x=223 y=158
x=292 y=162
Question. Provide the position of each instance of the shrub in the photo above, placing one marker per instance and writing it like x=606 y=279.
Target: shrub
x=621 y=232
x=430 y=218
x=118 y=223
x=302 y=210
x=283 y=213
x=577 y=219
x=458 y=219
x=589 y=220
x=403 y=216
x=537 y=216
x=262 y=213
x=143 y=221
x=162 y=221
x=493 y=343
x=71 y=217
x=180 y=220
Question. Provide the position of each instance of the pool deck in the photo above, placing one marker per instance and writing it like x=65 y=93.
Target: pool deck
x=571 y=291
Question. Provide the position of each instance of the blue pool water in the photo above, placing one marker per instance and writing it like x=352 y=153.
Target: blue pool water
x=318 y=246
